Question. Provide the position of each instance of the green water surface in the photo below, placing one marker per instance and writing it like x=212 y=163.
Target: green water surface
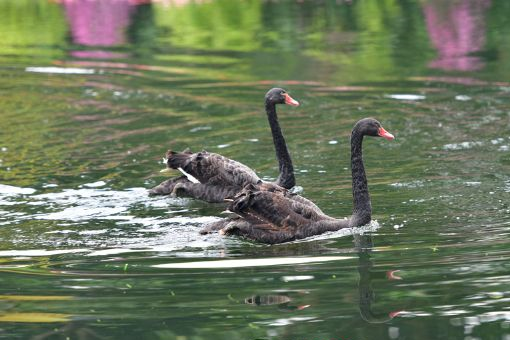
x=93 y=93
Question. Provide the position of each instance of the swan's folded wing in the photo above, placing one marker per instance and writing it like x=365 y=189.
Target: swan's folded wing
x=275 y=208
x=212 y=169
x=272 y=187
x=306 y=202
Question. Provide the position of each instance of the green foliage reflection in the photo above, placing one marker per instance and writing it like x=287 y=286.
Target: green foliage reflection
x=31 y=27
x=216 y=25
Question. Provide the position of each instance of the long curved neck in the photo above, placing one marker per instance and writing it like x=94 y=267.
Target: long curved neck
x=286 y=177
x=362 y=208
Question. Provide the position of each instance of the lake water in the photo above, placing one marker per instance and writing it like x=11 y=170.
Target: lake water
x=94 y=92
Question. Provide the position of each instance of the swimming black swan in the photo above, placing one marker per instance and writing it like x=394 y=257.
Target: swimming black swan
x=276 y=216
x=212 y=177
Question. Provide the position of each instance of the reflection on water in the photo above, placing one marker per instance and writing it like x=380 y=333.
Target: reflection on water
x=98 y=23
x=457 y=30
x=367 y=297
x=86 y=253
x=103 y=24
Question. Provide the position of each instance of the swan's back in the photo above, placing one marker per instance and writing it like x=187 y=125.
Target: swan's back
x=276 y=206
x=213 y=169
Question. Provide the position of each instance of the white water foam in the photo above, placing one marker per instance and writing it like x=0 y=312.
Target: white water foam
x=9 y=190
x=461 y=146
x=368 y=228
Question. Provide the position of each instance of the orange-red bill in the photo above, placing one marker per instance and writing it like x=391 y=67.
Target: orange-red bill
x=392 y=275
x=385 y=134
x=395 y=313
x=290 y=101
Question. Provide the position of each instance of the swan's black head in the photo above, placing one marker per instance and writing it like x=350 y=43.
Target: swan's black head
x=280 y=96
x=371 y=127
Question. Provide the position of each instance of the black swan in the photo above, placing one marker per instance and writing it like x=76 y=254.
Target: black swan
x=212 y=177
x=276 y=216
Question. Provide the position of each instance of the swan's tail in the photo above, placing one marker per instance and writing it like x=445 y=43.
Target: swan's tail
x=176 y=160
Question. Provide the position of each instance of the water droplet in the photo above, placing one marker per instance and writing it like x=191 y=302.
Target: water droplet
x=200 y=128
x=462 y=98
x=406 y=96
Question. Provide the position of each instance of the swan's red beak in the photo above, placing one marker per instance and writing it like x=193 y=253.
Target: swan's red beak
x=290 y=101
x=385 y=134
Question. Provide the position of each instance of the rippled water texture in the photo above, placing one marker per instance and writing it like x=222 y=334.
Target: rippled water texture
x=94 y=92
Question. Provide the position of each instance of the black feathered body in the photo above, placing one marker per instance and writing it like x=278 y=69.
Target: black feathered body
x=213 y=169
x=276 y=216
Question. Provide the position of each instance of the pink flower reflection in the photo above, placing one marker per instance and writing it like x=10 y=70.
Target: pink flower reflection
x=456 y=29
x=99 y=54
x=99 y=23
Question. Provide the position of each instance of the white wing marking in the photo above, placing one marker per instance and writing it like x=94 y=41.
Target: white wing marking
x=188 y=176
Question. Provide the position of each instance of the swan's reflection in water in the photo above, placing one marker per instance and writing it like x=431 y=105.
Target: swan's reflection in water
x=364 y=245
x=282 y=301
